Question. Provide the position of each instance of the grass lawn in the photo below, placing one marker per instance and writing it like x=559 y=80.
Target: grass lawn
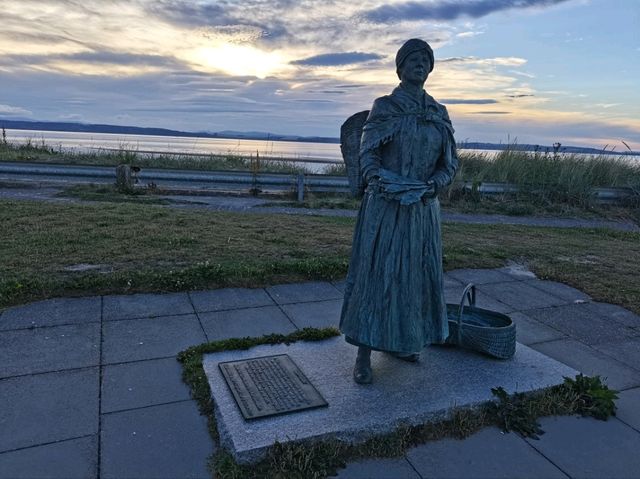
x=137 y=247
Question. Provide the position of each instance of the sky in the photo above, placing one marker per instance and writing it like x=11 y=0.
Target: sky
x=525 y=71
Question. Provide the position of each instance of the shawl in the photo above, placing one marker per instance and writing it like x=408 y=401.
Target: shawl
x=392 y=113
x=397 y=112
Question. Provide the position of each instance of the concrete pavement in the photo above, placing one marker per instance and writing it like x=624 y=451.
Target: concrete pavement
x=89 y=387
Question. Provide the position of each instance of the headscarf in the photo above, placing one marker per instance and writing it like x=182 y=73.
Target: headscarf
x=410 y=46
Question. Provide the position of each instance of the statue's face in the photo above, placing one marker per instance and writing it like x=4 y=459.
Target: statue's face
x=415 y=68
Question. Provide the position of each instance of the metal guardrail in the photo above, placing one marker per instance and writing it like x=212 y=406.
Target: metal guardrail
x=207 y=180
x=233 y=180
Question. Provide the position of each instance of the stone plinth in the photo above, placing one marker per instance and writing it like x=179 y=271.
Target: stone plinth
x=402 y=393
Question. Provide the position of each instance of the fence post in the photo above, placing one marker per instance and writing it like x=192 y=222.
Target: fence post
x=300 y=187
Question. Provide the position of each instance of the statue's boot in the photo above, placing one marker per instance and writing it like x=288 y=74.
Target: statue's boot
x=362 y=373
x=409 y=357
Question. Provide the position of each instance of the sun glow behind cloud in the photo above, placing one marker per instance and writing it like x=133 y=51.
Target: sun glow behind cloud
x=238 y=60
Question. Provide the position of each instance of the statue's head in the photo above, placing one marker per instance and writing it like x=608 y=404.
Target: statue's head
x=411 y=49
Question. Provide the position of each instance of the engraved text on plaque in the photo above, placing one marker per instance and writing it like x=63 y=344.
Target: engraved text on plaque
x=269 y=385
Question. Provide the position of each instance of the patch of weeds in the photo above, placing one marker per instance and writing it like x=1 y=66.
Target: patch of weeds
x=515 y=414
x=316 y=459
x=592 y=397
x=584 y=395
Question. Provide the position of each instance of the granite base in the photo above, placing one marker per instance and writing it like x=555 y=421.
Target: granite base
x=402 y=393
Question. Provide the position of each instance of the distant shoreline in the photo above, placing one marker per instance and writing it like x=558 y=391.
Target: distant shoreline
x=138 y=130
x=261 y=136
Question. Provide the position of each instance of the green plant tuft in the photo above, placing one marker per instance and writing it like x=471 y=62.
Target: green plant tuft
x=592 y=397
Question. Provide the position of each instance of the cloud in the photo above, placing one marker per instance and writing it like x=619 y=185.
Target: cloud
x=462 y=101
x=468 y=34
x=233 y=18
x=95 y=57
x=350 y=85
x=447 y=10
x=191 y=14
x=121 y=58
x=521 y=95
x=499 y=61
x=522 y=74
x=337 y=59
x=491 y=113
x=8 y=110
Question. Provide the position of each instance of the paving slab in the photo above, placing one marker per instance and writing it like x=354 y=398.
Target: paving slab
x=339 y=285
x=134 y=306
x=29 y=351
x=142 y=384
x=402 y=393
x=591 y=362
x=616 y=313
x=72 y=459
x=480 y=276
x=485 y=301
x=48 y=407
x=140 y=339
x=450 y=282
x=628 y=404
x=560 y=290
x=588 y=448
x=486 y=454
x=581 y=322
x=322 y=314
x=529 y=331
x=627 y=352
x=240 y=323
x=302 y=292
x=167 y=441
x=520 y=295
x=395 y=468
x=229 y=298
x=52 y=312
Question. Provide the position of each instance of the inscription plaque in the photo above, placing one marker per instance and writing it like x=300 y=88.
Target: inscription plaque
x=269 y=385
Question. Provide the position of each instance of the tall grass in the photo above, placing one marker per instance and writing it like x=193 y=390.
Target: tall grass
x=568 y=178
x=39 y=151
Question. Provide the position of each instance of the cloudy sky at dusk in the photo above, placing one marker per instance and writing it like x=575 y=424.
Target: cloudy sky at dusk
x=540 y=71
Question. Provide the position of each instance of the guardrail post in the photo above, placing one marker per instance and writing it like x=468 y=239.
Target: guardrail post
x=124 y=180
x=300 y=188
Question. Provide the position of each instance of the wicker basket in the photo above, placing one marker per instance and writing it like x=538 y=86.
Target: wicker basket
x=479 y=329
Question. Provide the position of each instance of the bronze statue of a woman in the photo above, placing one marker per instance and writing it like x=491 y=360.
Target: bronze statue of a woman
x=394 y=296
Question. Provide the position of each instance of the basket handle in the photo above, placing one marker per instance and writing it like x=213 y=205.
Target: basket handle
x=469 y=294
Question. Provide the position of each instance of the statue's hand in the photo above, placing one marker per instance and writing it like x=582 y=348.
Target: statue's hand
x=431 y=190
x=373 y=182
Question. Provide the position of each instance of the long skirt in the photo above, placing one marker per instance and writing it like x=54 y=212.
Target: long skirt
x=394 y=295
